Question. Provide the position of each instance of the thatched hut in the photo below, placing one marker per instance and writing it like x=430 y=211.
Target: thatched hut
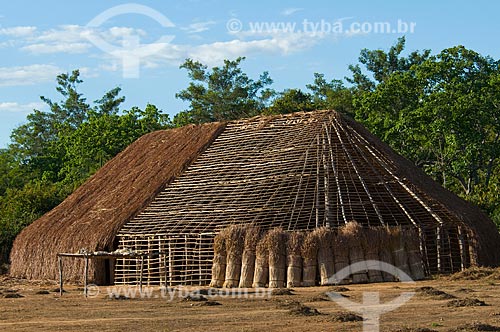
x=298 y=171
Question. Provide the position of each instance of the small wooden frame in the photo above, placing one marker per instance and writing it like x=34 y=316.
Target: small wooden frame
x=99 y=255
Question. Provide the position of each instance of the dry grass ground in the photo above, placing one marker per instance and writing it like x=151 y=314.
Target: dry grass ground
x=37 y=307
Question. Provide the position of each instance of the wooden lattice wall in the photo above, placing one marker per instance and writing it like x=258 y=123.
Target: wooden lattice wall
x=187 y=260
x=176 y=260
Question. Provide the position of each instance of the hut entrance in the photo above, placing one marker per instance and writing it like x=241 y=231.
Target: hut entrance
x=109 y=271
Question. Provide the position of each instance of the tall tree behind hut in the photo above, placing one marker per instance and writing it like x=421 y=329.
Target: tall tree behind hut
x=440 y=111
x=223 y=93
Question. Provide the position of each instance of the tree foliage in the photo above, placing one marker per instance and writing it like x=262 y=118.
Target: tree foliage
x=440 y=111
x=223 y=93
x=331 y=95
x=289 y=101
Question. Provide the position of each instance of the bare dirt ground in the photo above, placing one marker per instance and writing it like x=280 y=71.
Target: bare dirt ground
x=452 y=304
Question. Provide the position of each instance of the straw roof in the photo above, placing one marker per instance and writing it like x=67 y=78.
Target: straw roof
x=91 y=217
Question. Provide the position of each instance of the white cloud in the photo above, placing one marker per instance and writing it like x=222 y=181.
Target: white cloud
x=162 y=54
x=150 y=56
x=74 y=38
x=122 y=32
x=214 y=53
x=290 y=11
x=19 y=31
x=282 y=45
x=197 y=27
x=9 y=43
x=86 y=72
x=44 y=48
x=62 y=34
x=28 y=75
x=21 y=108
x=64 y=39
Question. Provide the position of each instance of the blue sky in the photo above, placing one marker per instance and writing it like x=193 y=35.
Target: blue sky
x=40 y=39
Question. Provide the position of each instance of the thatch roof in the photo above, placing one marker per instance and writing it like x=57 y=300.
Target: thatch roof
x=91 y=217
x=302 y=171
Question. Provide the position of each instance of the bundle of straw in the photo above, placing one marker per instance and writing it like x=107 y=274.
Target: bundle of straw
x=219 y=262
x=310 y=259
x=398 y=250
x=294 y=259
x=326 y=264
x=411 y=239
x=372 y=249
x=356 y=243
x=276 y=244
x=261 y=273
x=385 y=253
x=235 y=241
x=341 y=254
x=252 y=236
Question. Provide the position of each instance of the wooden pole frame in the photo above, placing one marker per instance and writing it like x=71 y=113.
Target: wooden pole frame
x=86 y=276
x=61 y=280
x=88 y=256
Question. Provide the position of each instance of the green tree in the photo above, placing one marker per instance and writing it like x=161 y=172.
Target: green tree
x=109 y=103
x=458 y=103
x=11 y=174
x=36 y=142
x=441 y=112
x=331 y=95
x=20 y=206
x=103 y=136
x=224 y=93
x=289 y=101
x=381 y=65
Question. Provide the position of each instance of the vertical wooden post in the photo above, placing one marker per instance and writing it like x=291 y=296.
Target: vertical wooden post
x=187 y=270
x=438 y=248
x=170 y=263
x=165 y=269
x=142 y=273
x=316 y=203
x=423 y=249
x=86 y=275
x=447 y=235
x=461 y=244
x=148 y=261
x=161 y=260
x=200 y=259
x=136 y=261
x=59 y=263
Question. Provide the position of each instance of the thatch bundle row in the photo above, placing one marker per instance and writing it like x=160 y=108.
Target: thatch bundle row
x=246 y=257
